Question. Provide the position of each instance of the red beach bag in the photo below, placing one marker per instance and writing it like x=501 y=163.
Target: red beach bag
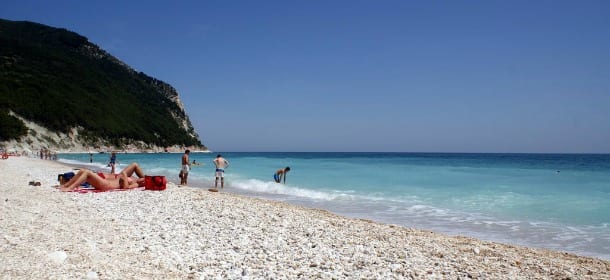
x=155 y=183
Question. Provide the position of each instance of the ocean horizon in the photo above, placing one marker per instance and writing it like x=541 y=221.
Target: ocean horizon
x=553 y=201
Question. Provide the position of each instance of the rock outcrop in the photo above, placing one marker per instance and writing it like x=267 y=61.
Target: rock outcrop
x=71 y=95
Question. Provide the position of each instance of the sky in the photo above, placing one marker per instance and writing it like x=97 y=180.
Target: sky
x=374 y=76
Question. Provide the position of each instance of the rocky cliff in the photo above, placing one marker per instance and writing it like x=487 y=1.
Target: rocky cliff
x=61 y=92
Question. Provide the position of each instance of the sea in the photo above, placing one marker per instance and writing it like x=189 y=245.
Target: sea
x=553 y=201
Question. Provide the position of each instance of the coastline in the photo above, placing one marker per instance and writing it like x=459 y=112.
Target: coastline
x=190 y=233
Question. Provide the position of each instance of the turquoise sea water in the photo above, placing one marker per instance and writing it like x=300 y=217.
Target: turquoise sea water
x=556 y=201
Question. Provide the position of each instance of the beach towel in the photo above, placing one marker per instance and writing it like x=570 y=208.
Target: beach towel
x=93 y=190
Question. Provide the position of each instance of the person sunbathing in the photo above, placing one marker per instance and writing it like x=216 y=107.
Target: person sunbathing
x=106 y=182
x=127 y=171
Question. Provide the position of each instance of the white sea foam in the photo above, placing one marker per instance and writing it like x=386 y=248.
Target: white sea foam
x=273 y=188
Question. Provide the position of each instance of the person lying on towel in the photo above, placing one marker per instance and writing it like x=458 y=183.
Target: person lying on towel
x=106 y=182
x=128 y=171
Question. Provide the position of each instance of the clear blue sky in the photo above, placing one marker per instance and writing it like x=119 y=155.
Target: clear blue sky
x=407 y=76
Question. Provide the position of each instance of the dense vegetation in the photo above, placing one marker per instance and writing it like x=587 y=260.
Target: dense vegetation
x=59 y=80
x=11 y=127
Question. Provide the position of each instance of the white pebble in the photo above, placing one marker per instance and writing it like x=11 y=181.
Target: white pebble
x=58 y=257
x=92 y=275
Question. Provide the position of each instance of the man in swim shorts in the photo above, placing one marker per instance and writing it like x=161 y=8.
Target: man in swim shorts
x=186 y=167
x=281 y=173
x=220 y=164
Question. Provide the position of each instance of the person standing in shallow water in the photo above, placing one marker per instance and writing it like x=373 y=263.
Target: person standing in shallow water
x=220 y=164
x=112 y=162
x=281 y=173
x=186 y=167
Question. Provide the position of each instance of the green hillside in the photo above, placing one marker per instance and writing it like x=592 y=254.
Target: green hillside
x=60 y=80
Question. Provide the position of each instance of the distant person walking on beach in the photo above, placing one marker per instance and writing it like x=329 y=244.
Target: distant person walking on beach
x=220 y=164
x=112 y=162
x=281 y=173
x=186 y=167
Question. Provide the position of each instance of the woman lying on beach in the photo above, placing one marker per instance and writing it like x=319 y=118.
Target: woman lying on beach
x=127 y=171
x=105 y=182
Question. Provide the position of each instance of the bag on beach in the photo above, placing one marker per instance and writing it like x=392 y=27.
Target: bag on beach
x=155 y=183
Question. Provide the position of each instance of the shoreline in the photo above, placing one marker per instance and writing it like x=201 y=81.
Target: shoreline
x=186 y=232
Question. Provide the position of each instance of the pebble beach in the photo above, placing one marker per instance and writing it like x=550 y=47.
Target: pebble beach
x=190 y=233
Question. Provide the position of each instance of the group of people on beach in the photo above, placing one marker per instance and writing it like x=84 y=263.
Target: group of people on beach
x=221 y=164
x=124 y=179
x=219 y=175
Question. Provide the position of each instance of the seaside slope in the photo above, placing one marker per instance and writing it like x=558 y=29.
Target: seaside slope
x=192 y=233
x=60 y=92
